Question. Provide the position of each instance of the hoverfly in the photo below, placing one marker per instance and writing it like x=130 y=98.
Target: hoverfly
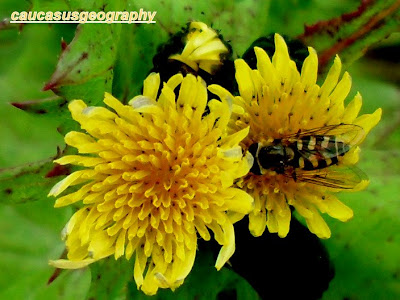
x=312 y=156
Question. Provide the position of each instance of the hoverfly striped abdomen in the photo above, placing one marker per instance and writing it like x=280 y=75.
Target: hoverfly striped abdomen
x=318 y=152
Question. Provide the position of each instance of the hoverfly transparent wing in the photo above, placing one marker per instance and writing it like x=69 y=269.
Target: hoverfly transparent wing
x=349 y=133
x=336 y=177
x=329 y=141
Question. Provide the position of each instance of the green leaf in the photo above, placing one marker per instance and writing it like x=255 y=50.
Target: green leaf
x=48 y=5
x=9 y=6
x=30 y=236
x=56 y=107
x=136 y=48
x=86 y=64
x=110 y=278
x=31 y=182
x=350 y=34
x=28 y=59
x=84 y=70
x=43 y=106
x=289 y=17
x=365 y=249
x=91 y=92
x=74 y=5
x=90 y=55
x=95 y=5
x=26 y=138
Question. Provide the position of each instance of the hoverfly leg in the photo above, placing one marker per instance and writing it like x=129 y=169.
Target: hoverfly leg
x=292 y=173
x=294 y=176
x=298 y=133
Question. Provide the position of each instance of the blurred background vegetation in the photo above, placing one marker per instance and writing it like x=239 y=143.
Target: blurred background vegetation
x=364 y=251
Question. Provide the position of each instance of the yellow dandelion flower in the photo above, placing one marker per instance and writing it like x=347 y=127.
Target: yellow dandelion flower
x=203 y=48
x=156 y=173
x=303 y=137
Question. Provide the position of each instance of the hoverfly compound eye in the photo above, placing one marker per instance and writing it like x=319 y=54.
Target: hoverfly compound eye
x=253 y=149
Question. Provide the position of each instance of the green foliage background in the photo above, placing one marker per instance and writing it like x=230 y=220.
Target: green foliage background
x=364 y=251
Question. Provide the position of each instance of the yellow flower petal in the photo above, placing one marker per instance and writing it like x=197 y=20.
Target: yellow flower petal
x=284 y=110
x=257 y=223
x=75 y=139
x=281 y=59
x=79 y=160
x=352 y=110
x=241 y=202
x=318 y=226
x=332 y=78
x=156 y=173
x=203 y=48
x=74 y=178
x=369 y=121
x=68 y=264
x=243 y=78
x=151 y=85
x=309 y=70
x=283 y=220
x=264 y=65
x=228 y=248
x=76 y=107
x=337 y=209
x=342 y=90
